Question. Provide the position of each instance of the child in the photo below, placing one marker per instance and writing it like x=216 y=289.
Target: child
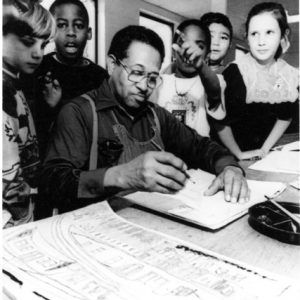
x=261 y=88
x=193 y=90
x=65 y=73
x=221 y=35
x=25 y=35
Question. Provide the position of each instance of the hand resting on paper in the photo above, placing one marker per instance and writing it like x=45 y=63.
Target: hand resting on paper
x=156 y=171
x=234 y=184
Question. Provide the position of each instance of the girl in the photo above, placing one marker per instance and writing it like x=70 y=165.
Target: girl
x=261 y=88
x=193 y=90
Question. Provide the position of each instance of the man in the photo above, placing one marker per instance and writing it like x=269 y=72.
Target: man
x=131 y=130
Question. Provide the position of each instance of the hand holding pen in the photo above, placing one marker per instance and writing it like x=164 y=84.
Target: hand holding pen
x=159 y=148
x=153 y=171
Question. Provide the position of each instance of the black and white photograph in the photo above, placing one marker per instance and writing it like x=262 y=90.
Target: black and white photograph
x=150 y=150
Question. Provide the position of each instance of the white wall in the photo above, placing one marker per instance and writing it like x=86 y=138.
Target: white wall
x=218 y=6
x=116 y=14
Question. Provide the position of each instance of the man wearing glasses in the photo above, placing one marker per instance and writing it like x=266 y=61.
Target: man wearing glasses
x=140 y=146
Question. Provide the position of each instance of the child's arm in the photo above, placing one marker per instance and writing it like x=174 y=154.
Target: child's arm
x=155 y=94
x=211 y=85
x=277 y=131
x=226 y=136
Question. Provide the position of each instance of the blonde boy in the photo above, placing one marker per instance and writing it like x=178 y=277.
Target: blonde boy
x=25 y=35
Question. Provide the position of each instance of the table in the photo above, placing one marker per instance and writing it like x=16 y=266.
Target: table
x=237 y=240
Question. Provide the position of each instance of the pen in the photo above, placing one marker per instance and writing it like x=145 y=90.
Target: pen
x=285 y=211
x=159 y=148
x=254 y=158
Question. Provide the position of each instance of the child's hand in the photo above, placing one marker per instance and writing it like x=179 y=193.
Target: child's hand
x=52 y=91
x=251 y=155
x=190 y=53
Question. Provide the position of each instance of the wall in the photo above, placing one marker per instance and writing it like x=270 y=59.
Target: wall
x=116 y=14
x=219 y=6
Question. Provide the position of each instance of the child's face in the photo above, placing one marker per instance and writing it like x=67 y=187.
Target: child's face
x=194 y=34
x=72 y=32
x=264 y=36
x=23 y=54
x=220 y=42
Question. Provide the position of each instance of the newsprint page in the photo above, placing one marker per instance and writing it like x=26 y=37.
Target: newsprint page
x=92 y=254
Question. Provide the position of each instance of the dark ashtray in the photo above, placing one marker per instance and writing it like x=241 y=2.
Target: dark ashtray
x=269 y=220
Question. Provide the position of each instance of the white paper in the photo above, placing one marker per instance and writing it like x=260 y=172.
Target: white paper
x=295 y=184
x=92 y=254
x=209 y=211
x=293 y=146
x=279 y=161
x=6 y=216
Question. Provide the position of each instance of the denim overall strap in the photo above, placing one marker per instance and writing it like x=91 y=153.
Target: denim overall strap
x=133 y=147
x=94 y=146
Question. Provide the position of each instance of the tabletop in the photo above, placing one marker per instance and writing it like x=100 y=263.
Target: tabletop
x=237 y=240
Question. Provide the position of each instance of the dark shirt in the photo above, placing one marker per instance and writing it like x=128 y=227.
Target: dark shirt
x=69 y=149
x=251 y=123
x=74 y=80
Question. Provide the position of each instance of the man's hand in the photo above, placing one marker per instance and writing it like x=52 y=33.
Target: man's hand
x=152 y=171
x=52 y=91
x=234 y=184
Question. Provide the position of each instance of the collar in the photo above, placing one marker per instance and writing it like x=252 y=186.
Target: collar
x=12 y=78
x=105 y=99
x=11 y=74
x=84 y=62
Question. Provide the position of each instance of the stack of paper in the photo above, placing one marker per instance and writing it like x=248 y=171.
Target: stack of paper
x=212 y=212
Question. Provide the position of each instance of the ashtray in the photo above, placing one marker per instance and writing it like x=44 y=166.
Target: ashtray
x=271 y=221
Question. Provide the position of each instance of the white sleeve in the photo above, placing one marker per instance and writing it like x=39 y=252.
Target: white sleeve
x=219 y=112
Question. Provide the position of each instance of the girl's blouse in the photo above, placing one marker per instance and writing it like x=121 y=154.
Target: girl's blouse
x=256 y=96
x=275 y=83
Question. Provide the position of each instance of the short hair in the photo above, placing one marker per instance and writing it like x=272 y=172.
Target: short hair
x=21 y=5
x=125 y=37
x=219 y=18
x=36 y=21
x=279 y=14
x=78 y=3
x=193 y=22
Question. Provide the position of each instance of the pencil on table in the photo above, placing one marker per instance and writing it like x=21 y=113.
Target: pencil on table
x=285 y=211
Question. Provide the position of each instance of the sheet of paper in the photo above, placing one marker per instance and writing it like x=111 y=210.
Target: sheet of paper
x=296 y=183
x=92 y=254
x=6 y=215
x=279 y=161
x=294 y=146
x=212 y=212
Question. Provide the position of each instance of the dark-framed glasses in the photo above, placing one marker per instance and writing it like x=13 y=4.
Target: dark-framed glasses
x=153 y=78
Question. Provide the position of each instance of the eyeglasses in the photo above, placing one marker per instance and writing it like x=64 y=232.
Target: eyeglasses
x=153 y=79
